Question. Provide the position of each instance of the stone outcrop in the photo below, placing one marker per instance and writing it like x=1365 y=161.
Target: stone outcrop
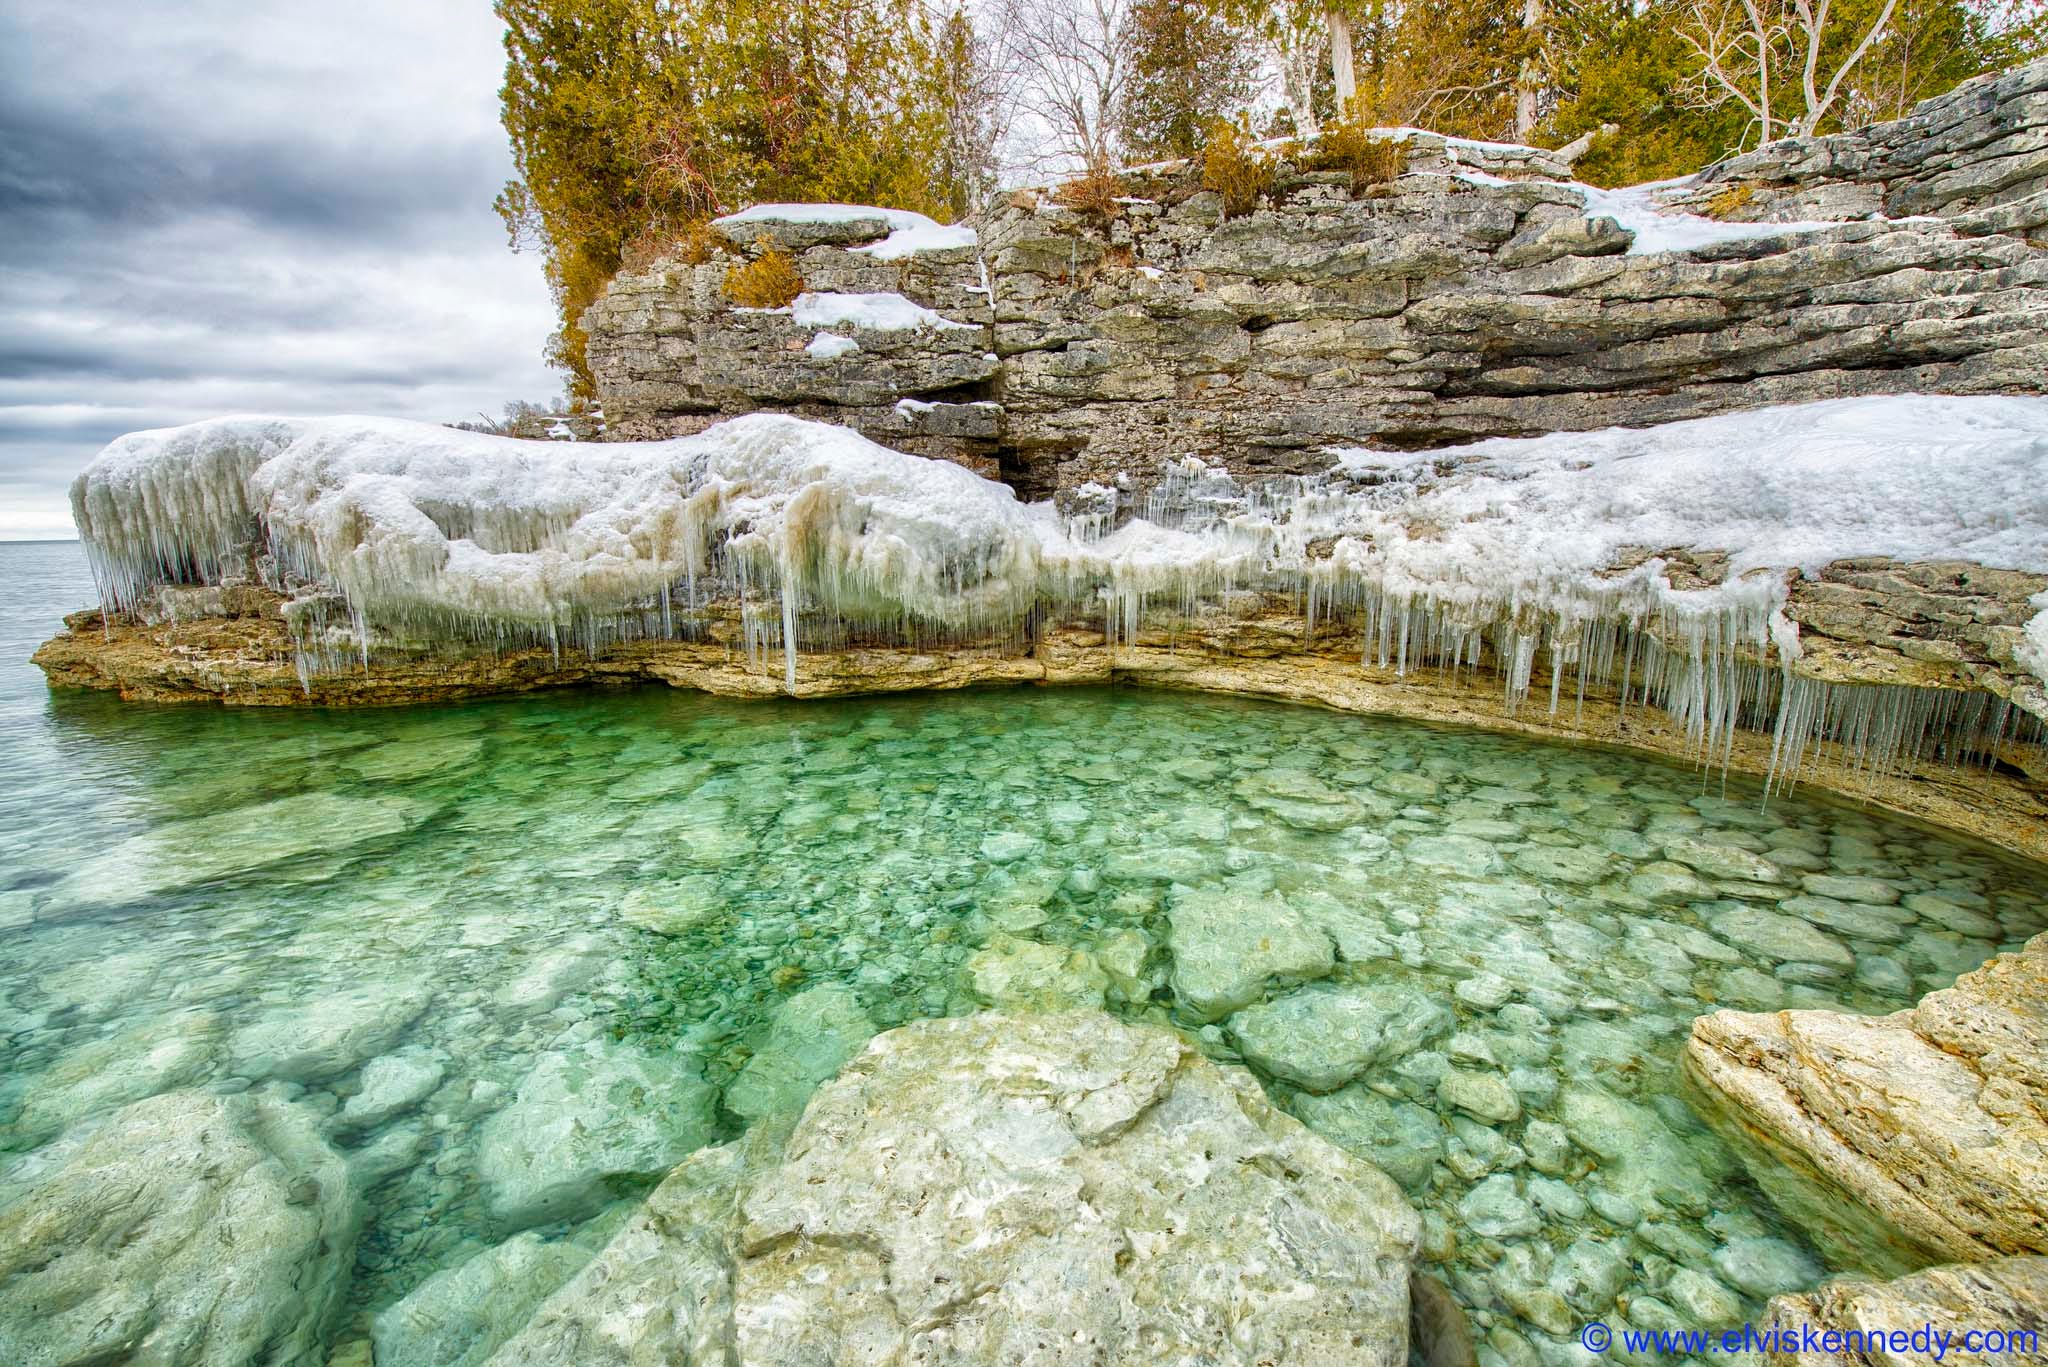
x=1901 y=1139
x=1976 y=156
x=1006 y=1188
x=1478 y=294
x=2002 y=1297
x=186 y=1229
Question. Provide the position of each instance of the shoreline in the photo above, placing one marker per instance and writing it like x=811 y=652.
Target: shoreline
x=249 y=661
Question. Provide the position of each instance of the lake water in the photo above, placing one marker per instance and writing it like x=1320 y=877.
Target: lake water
x=440 y=930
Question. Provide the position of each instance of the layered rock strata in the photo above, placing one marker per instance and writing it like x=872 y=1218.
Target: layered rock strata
x=1006 y=1188
x=1478 y=294
x=1974 y=156
x=1901 y=1139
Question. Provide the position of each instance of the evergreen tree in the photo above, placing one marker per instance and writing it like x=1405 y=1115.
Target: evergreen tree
x=1191 y=67
x=631 y=120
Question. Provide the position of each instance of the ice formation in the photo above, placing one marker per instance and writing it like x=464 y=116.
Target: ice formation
x=1499 y=552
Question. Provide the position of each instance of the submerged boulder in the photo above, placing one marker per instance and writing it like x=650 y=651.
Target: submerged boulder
x=1003 y=1188
x=1320 y=1038
x=305 y=1041
x=185 y=1229
x=810 y=1037
x=458 y=1316
x=1228 y=946
x=586 y=1122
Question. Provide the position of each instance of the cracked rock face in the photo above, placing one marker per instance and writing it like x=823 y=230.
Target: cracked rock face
x=1007 y=1188
x=1440 y=307
x=1900 y=1139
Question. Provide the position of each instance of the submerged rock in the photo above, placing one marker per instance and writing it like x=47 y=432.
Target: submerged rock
x=1004 y=1188
x=154 y=1055
x=1301 y=800
x=1783 y=938
x=810 y=1037
x=1400 y=1138
x=393 y=1083
x=585 y=1122
x=1027 y=974
x=308 y=1041
x=1228 y=946
x=1320 y=1038
x=660 y=1292
x=185 y=1229
x=179 y=854
x=459 y=1316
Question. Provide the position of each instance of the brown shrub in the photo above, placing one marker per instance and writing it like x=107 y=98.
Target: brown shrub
x=1094 y=192
x=1726 y=202
x=1348 y=145
x=769 y=281
x=1236 y=168
x=695 y=245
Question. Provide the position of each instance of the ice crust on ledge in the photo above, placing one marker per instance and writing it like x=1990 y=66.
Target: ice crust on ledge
x=1498 y=552
x=909 y=233
x=881 y=312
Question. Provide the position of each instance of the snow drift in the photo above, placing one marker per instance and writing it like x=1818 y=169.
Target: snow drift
x=1499 y=552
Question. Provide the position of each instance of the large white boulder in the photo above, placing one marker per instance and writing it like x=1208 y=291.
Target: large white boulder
x=1006 y=1188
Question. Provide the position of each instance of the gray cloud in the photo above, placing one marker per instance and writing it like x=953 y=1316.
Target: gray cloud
x=210 y=207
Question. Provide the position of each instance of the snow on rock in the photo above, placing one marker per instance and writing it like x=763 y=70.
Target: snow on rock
x=2033 y=650
x=1660 y=229
x=1912 y=478
x=1506 y=546
x=828 y=346
x=909 y=233
x=882 y=312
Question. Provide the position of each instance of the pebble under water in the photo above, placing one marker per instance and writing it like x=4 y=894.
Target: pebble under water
x=442 y=931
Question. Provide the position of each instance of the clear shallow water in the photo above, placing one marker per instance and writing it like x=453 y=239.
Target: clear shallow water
x=503 y=895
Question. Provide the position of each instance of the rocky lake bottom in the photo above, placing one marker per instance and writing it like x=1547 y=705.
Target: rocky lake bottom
x=513 y=960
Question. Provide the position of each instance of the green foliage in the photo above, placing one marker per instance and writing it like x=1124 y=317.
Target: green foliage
x=1629 y=68
x=631 y=119
x=1192 y=66
x=1450 y=66
x=1235 y=167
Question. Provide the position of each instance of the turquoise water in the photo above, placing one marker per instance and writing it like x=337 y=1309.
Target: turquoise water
x=415 y=925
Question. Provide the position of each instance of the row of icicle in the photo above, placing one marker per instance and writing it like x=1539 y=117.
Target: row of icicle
x=1705 y=664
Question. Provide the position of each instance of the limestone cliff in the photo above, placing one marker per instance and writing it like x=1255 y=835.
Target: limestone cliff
x=1479 y=293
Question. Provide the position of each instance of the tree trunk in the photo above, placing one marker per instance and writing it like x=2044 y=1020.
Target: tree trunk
x=1531 y=79
x=1298 y=55
x=1340 y=60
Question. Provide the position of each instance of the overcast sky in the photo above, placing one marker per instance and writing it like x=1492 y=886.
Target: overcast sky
x=248 y=206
